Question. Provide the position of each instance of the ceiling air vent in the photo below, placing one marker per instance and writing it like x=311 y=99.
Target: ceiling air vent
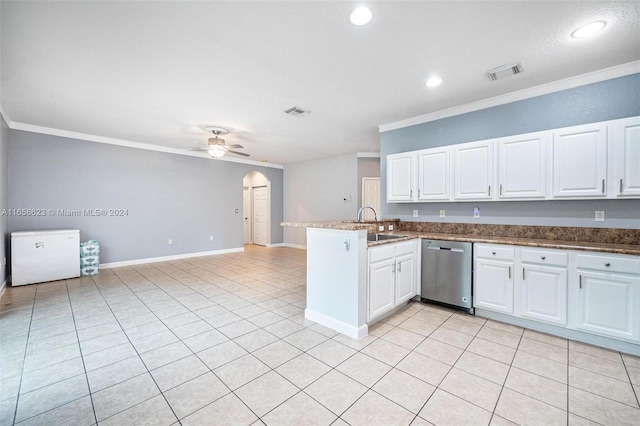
x=505 y=71
x=297 y=111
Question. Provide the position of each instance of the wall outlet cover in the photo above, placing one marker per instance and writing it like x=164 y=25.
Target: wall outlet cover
x=390 y=227
x=476 y=212
x=170 y=241
x=381 y=228
x=443 y=213
x=599 y=215
x=415 y=213
x=210 y=237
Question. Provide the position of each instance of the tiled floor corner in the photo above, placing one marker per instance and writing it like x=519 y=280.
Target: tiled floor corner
x=223 y=340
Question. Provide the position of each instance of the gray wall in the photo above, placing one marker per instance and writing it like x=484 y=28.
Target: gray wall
x=4 y=201
x=167 y=196
x=607 y=100
x=314 y=190
x=367 y=167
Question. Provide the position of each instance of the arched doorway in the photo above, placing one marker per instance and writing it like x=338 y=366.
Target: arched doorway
x=256 y=209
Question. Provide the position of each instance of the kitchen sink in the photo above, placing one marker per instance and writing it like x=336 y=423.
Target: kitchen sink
x=382 y=237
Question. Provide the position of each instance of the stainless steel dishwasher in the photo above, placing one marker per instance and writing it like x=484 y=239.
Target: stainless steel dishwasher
x=446 y=273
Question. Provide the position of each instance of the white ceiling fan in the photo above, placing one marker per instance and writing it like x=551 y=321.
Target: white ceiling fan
x=216 y=146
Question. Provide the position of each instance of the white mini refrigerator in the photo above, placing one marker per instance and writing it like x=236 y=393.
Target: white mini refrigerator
x=39 y=256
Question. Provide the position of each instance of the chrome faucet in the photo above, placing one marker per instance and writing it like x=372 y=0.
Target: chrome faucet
x=375 y=213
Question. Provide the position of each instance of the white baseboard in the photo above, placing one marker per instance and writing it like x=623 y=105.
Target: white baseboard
x=167 y=258
x=275 y=245
x=339 y=326
x=295 y=246
x=2 y=287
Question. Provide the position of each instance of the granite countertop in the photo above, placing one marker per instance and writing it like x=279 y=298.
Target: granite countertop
x=531 y=242
x=371 y=227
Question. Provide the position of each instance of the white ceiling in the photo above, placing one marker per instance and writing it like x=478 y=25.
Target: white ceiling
x=159 y=72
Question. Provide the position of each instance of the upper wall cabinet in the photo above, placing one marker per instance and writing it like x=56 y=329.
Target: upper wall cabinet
x=625 y=170
x=434 y=175
x=522 y=166
x=591 y=161
x=473 y=171
x=580 y=162
x=401 y=172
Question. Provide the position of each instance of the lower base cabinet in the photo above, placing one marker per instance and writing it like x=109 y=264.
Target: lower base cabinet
x=392 y=276
x=598 y=293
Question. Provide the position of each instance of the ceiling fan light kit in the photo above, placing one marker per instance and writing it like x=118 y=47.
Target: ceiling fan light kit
x=216 y=146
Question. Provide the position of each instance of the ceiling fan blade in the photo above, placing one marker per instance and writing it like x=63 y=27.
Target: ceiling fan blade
x=238 y=153
x=200 y=148
x=235 y=145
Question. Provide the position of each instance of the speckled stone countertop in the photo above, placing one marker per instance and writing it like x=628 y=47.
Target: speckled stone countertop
x=606 y=240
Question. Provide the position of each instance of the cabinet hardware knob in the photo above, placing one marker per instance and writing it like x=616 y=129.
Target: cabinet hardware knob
x=621 y=186
x=509 y=272
x=489 y=194
x=607 y=264
x=500 y=189
x=493 y=253
x=542 y=257
x=580 y=281
x=523 y=274
x=399 y=266
x=603 y=186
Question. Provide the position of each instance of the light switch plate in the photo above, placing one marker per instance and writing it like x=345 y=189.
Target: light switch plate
x=599 y=215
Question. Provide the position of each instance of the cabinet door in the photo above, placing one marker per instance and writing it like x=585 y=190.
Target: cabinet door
x=608 y=304
x=626 y=141
x=521 y=167
x=473 y=171
x=543 y=294
x=580 y=162
x=405 y=278
x=400 y=176
x=381 y=291
x=493 y=287
x=434 y=174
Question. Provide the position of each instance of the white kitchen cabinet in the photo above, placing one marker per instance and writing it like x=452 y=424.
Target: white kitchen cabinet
x=542 y=286
x=392 y=276
x=608 y=295
x=473 y=171
x=580 y=161
x=625 y=177
x=434 y=174
x=493 y=277
x=522 y=167
x=401 y=176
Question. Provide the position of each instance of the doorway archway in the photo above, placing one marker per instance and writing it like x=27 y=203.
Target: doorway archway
x=256 y=209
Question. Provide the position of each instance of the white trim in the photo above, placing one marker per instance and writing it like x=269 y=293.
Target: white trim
x=167 y=258
x=531 y=92
x=5 y=116
x=368 y=155
x=3 y=287
x=275 y=245
x=339 y=326
x=130 y=144
x=295 y=246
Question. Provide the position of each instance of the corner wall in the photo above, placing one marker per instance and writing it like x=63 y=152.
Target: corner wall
x=314 y=191
x=4 y=200
x=165 y=196
x=607 y=100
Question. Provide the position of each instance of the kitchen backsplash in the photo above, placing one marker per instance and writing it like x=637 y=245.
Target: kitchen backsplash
x=560 y=233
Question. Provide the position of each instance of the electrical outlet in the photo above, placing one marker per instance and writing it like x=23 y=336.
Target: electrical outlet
x=390 y=227
x=442 y=213
x=415 y=213
x=599 y=215
x=210 y=237
x=381 y=228
x=476 y=212
x=347 y=199
x=170 y=241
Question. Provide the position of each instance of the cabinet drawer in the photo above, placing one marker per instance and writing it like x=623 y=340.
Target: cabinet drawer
x=407 y=247
x=625 y=265
x=545 y=257
x=495 y=252
x=380 y=254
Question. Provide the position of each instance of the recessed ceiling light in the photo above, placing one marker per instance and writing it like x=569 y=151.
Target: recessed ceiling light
x=361 y=16
x=434 y=81
x=589 y=29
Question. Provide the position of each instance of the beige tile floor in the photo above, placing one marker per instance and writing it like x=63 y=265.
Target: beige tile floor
x=223 y=340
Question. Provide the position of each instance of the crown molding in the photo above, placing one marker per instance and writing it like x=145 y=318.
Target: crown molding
x=532 y=92
x=129 y=144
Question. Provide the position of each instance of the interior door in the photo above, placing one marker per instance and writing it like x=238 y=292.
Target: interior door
x=370 y=196
x=260 y=215
x=246 y=215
